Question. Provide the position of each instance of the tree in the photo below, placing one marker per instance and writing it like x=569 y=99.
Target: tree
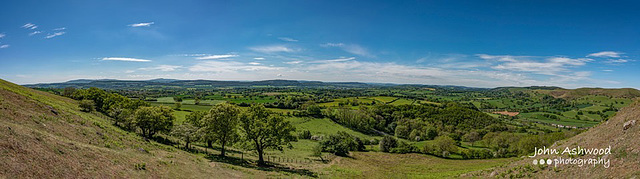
x=317 y=152
x=187 y=132
x=221 y=124
x=314 y=110
x=68 y=91
x=177 y=98
x=472 y=137
x=196 y=101
x=445 y=145
x=86 y=105
x=153 y=119
x=306 y=134
x=339 y=144
x=195 y=118
x=178 y=106
x=387 y=143
x=266 y=130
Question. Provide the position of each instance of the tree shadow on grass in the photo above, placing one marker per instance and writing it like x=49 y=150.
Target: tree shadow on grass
x=269 y=166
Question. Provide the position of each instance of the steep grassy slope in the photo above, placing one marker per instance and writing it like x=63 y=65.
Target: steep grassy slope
x=46 y=136
x=576 y=93
x=624 y=157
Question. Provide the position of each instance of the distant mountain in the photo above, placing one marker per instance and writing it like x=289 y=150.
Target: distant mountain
x=159 y=83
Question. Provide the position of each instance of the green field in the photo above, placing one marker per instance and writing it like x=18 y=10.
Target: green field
x=383 y=165
x=538 y=116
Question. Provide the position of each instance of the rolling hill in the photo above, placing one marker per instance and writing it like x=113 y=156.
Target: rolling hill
x=46 y=136
x=621 y=132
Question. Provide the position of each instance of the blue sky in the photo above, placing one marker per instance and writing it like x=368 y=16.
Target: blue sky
x=475 y=43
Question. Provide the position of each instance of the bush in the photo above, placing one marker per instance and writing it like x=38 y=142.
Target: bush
x=340 y=144
x=87 y=105
x=476 y=154
x=443 y=146
x=306 y=134
x=404 y=148
x=387 y=143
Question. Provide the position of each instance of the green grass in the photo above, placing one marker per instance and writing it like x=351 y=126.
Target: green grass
x=537 y=116
x=385 y=165
x=323 y=126
x=402 y=101
x=384 y=99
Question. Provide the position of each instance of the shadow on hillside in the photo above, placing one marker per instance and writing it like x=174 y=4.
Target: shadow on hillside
x=270 y=166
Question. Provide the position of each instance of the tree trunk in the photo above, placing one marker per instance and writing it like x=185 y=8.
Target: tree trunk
x=209 y=144
x=260 y=158
x=222 y=151
x=186 y=145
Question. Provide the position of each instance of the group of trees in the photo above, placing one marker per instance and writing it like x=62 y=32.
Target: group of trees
x=341 y=143
x=133 y=115
x=225 y=124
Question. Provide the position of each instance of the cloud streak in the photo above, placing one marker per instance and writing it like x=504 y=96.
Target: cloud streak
x=54 y=35
x=350 y=48
x=287 y=39
x=610 y=54
x=214 y=57
x=30 y=26
x=272 y=49
x=124 y=59
x=165 y=68
x=142 y=24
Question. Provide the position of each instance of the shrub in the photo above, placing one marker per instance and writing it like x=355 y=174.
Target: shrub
x=444 y=145
x=306 y=134
x=404 y=148
x=87 y=105
x=340 y=144
x=387 y=143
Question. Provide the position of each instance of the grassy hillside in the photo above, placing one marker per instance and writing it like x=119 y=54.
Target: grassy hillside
x=624 y=157
x=46 y=136
x=580 y=92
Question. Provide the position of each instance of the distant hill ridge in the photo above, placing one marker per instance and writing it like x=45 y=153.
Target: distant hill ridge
x=119 y=84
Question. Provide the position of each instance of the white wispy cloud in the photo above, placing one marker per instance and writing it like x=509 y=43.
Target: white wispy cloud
x=547 y=66
x=258 y=58
x=607 y=70
x=254 y=63
x=610 y=54
x=287 y=39
x=142 y=24
x=124 y=59
x=350 y=48
x=30 y=26
x=342 y=59
x=162 y=68
x=61 y=28
x=293 y=62
x=54 y=35
x=273 y=49
x=191 y=55
x=227 y=67
x=34 y=33
x=5 y=46
x=213 y=57
x=616 y=61
x=2 y=35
